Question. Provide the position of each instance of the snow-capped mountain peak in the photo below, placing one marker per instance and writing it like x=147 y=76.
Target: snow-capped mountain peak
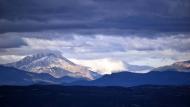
x=54 y=64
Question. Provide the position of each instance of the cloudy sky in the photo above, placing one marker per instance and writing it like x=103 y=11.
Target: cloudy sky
x=97 y=33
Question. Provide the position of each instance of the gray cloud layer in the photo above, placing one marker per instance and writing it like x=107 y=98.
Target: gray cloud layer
x=94 y=16
x=132 y=30
x=7 y=42
x=134 y=49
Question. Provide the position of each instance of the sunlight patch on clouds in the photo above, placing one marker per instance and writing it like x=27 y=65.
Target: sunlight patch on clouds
x=102 y=66
x=9 y=58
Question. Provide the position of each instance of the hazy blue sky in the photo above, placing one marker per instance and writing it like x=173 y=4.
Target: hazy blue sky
x=113 y=32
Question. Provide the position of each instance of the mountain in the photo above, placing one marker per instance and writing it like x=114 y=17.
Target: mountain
x=138 y=68
x=183 y=66
x=13 y=76
x=135 y=79
x=54 y=64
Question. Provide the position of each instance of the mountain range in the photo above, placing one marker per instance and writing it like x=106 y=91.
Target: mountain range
x=176 y=74
x=52 y=68
x=127 y=79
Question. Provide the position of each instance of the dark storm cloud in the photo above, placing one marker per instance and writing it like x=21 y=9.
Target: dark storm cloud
x=11 y=42
x=94 y=16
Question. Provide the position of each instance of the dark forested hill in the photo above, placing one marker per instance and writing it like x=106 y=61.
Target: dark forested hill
x=135 y=79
